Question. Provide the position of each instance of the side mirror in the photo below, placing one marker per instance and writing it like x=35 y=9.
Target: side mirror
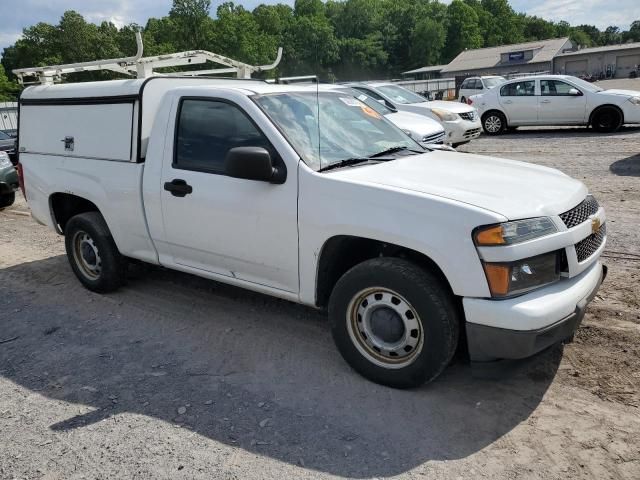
x=253 y=163
x=575 y=92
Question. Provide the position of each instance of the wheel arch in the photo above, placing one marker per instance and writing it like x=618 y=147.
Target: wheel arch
x=494 y=111
x=342 y=252
x=606 y=105
x=64 y=206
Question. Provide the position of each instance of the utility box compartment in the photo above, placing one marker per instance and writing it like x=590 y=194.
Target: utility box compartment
x=102 y=131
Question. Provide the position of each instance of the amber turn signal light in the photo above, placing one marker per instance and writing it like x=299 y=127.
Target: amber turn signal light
x=498 y=278
x=490 y=236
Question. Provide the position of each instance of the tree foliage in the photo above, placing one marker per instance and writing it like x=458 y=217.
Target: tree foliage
x=344 y=39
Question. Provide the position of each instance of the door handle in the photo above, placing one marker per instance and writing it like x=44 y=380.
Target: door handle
x=508 y=101
x=545 y=101
x=178 y=187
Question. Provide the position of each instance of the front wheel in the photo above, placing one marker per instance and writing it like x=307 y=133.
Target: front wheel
x=494 y=123
x=93 y=254
x=394 y=322
x=7 y=199
x=607 y=120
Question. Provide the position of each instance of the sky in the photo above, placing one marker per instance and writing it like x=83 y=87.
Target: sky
x=18 y=14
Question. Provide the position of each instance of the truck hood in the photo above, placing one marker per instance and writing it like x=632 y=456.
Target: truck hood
x=512 y=189
x=415 y=123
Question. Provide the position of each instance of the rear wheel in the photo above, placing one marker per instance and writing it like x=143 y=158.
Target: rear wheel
x=394 y=322
x=93 y=254
x=494 y=123
x=606 y=120
x=7 y=199
x=463 y=100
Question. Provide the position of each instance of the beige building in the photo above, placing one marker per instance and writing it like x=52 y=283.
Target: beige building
x=619 y=60
x=530 y=57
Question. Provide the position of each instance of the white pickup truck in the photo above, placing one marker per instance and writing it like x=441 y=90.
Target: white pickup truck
x=315 y=198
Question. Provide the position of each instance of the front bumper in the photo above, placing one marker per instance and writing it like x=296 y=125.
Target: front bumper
x=462 y=131
x=552 y=317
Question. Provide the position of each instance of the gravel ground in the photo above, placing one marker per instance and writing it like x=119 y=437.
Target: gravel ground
x=180 y=377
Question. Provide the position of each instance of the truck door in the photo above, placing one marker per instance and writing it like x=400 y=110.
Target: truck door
x=242 y=229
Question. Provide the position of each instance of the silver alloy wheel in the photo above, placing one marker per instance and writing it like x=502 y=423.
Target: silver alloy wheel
x=493 y=124
x=385 y=328
x=86 y=255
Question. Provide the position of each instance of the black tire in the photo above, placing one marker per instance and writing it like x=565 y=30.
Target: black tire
x=606 y=120
x=102 y=271
x=413 y=287
x=463 y=100
x=494 y=123
x=7 y=199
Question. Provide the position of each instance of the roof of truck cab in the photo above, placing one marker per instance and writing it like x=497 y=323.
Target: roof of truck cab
x=117 y=88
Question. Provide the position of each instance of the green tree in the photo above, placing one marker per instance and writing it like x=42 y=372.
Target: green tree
x=190 y=18
x=8 y=89
x=463 y=32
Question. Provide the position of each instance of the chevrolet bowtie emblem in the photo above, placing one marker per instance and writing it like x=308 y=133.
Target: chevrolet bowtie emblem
x=595 y=225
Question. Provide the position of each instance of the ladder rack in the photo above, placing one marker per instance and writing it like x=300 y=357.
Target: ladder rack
x=143 y=67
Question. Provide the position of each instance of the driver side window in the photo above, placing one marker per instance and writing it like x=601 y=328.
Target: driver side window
x=551 y=88
x=208 y=129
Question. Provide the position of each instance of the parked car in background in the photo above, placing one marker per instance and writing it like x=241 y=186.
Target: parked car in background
x=422 y=129
x=556 y=100
x=478 y=85
x=8 y=181
x=461 y=122
x=8 y=145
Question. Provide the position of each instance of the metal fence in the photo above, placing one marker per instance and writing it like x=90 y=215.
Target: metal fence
x=440 y=88
x=8 y=116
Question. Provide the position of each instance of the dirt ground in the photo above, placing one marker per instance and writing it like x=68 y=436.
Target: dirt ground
x=179 y=377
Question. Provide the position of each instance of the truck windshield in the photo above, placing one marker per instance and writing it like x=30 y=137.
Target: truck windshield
x=400 y=94
x=327 y=128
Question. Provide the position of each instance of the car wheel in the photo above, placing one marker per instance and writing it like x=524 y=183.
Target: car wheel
x=606 y=120
x=7 y=199
x=394 y=322
x=93 y=254
x=463 y=100
x=494 y=123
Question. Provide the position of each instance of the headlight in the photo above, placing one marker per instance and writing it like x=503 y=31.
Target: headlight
x=635 y=100
x=508 y=279
x=444 y=115
x=4 y=160
x=514 y=232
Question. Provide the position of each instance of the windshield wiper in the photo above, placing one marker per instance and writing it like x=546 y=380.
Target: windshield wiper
x=344 y=163
x=391 y=150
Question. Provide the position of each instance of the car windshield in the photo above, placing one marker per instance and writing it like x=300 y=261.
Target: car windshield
x=400 y=95
x=328 y=127
x=4 y=136
x=373 y=103
x=589 y=87
x=491 y=82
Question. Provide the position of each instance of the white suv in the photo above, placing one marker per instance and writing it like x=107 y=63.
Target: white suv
x=478 y=85
x=461 y=122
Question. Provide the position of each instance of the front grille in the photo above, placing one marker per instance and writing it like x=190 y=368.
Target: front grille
x=471 y=116
x=581 y=213
x=587 y=247
x=472 y=133
x=435 y=138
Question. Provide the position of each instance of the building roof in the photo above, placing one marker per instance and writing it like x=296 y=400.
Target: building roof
x=606 y=48
x=432 y=68
x=491 y=57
